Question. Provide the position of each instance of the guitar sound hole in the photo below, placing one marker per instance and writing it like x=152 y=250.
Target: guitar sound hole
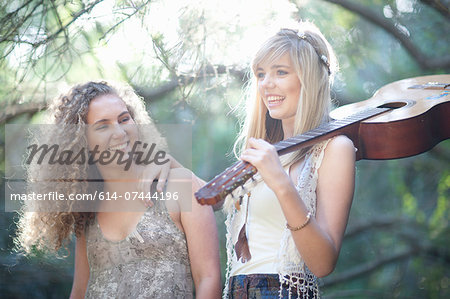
x=394 y=105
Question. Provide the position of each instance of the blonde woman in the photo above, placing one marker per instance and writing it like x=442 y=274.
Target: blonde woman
x=294 y=218
x=124 y=248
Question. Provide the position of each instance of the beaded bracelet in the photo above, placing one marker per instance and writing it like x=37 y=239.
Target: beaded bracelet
x=308 y=217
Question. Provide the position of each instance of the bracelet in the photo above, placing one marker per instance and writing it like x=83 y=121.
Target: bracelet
x=308 y=217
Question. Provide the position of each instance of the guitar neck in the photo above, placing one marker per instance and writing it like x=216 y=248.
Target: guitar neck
x=237 y=174
x=326 y=131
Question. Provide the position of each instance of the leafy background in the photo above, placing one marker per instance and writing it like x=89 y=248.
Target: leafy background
x=189 y=61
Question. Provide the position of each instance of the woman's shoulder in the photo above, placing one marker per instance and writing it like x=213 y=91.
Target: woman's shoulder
x=335 y=146
x=180 y=175
x=184 y=175
x=340 y=143
x=182 y=181
x=339 y=149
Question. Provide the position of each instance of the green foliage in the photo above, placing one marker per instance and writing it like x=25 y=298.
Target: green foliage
x=394 y=216
x=397 y=237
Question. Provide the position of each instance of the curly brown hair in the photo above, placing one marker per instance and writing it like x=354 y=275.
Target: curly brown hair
x=51 y=231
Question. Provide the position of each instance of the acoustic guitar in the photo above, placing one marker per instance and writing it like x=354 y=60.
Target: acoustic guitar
x=402 y=119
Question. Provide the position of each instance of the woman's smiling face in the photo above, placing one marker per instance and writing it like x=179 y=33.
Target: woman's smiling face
x=279 y=87
x=110 y=125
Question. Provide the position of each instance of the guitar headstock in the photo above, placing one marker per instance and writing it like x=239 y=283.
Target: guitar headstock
x=225 y=183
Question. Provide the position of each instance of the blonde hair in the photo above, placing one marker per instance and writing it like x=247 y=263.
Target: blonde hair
x=52 y=230
x=315 y=63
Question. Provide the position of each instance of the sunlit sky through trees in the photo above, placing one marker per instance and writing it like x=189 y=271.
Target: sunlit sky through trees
x=176 y=21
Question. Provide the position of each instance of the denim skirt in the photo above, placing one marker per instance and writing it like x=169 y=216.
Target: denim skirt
x=265 y=286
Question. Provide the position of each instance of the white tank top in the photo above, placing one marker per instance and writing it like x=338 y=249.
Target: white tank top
x=265 y=226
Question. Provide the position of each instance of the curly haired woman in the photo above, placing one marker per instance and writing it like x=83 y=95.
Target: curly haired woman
x=124 y=248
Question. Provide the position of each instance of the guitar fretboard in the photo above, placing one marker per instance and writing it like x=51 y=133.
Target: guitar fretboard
x=238 y=173
x=327 y=129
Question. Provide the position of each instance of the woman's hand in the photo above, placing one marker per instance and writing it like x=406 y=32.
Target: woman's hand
x=154 y=171
x=264 y=157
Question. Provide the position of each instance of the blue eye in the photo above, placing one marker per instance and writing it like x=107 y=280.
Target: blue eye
x=260 y=75
x=282 y=73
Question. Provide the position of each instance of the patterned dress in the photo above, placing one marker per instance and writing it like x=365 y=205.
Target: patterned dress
x=151 y=262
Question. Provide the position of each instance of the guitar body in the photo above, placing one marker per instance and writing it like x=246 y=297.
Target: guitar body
x=404 y=118
x=420 y=119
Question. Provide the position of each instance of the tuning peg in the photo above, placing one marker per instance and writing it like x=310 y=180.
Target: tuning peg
x=243 y=189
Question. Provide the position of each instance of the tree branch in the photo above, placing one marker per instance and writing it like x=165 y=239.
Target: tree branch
x=149 y=94
x=64 y=28
x=13 y=110
x=128 y=16
x=388 y=26
x=368 y=267
x=442 y=8
x=9 y=28
x=15 y=12
x=376 y=223
x=152 y=94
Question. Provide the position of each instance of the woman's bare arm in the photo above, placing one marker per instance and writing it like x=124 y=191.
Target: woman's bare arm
x=199 y=225
x=319 y=242
x=81 y=273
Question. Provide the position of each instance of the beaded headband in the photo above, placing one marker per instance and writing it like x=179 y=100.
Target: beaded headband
x=323 y=58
